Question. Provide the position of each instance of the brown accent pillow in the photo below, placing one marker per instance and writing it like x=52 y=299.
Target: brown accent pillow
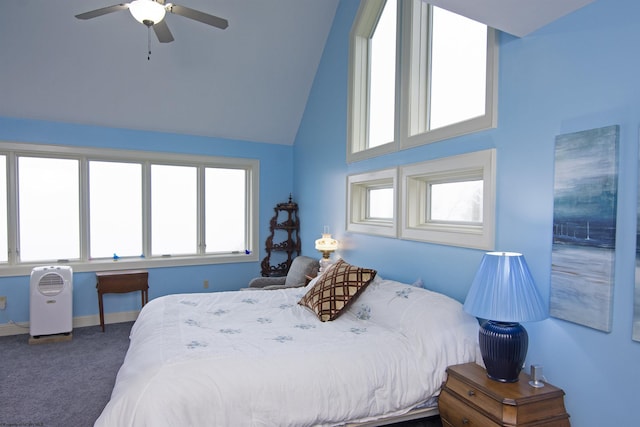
x=336 y=289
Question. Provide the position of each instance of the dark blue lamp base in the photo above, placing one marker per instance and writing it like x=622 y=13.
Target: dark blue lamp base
x=504 y=349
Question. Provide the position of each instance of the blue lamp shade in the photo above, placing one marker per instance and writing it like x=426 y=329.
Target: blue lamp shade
x=504 y=294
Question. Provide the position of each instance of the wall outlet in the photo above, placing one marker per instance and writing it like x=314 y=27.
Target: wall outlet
x=3 y=303
x=205 y=284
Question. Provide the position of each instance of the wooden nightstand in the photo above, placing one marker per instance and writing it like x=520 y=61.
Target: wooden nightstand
x=119 y=282
x=470 y=399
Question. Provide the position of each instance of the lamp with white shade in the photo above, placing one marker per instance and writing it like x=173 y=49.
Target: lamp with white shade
x=504 y=294
x=326 y=244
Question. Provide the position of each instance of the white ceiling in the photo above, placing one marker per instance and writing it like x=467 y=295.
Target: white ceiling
x=248 y=82
x=517 y=17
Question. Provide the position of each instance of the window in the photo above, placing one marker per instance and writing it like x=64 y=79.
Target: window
x=440 y=82
x=372 y=89
x=48 y=208
x=91 y=208
x=372 y=203
x=225 y=206
x=450 y=201
x=456 y=201
x=115 y=209
x=380 y=203
x=382 y=90
x=4 y=237
x=174 y=210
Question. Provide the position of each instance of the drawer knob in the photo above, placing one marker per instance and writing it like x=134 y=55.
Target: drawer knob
x=465 y=421
x=471 y=393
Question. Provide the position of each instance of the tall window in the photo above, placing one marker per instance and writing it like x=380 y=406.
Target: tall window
x=439 y=82
x=4 y=237
x=174 y=210
x=457 y=84
x=225 y=206
x=48 y=208
x=115 y=210
x=91 y=208
x=382 y=74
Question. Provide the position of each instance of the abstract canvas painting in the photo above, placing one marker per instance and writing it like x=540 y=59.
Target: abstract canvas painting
x=584 y=227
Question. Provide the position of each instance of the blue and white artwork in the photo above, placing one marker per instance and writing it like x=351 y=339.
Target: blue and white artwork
x=584 y=227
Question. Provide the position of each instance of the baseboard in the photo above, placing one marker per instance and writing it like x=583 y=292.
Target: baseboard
x=18 y=328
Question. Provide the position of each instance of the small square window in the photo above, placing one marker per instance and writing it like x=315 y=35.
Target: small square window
x=456 y=202
x=380 y=203
x=371 y=206
x=450 y=201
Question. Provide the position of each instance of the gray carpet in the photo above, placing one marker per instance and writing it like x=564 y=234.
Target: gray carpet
x=67 y=384
x=64 y=384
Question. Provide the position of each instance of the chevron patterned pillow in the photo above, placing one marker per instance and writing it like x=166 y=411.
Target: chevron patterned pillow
x=336 y=289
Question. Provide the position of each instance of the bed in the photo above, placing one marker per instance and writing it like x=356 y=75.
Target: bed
x=259 y=358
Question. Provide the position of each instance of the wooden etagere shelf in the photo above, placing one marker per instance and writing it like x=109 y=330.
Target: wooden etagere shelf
x=283 y=244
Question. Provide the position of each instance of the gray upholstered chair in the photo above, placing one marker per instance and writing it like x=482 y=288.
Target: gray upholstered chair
x=302 y=267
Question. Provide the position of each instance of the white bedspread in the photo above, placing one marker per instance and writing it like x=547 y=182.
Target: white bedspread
x=257 y=358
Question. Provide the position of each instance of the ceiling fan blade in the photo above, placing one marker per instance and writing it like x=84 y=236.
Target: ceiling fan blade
x=103 y=11
x=196 y=15
x=162 y=32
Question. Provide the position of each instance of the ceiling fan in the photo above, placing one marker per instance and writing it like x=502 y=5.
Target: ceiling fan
x=151 y=13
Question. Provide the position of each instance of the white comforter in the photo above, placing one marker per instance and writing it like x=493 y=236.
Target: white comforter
x=257 y=358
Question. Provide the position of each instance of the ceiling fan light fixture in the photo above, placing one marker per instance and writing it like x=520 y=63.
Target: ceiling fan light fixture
x=147 y=12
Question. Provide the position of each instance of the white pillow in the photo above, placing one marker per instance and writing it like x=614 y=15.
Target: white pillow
x=409 y=309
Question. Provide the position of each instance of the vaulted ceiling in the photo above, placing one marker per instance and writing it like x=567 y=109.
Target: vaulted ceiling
x=248 y=82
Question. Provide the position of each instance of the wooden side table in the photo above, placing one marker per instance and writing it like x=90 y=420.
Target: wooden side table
x=470 y=399
x=120 y=282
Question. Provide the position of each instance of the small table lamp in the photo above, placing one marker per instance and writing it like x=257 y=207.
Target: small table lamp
x=504 y=294
x=326 y=245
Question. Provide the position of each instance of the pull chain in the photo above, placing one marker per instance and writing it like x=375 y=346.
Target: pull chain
x=149 y=42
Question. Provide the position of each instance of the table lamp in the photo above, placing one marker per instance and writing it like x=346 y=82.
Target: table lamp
x=504 y=294
x=326 y=244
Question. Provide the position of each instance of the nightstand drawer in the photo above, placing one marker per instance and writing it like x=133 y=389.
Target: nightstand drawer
x=456 y=413
x=472 y=395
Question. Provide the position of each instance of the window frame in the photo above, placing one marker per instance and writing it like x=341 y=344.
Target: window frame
x=141 y=201
x=358 y=186
x=411 y=79
x=13 y=150
x=415 y=179
x=358 y=85
x=14 y=250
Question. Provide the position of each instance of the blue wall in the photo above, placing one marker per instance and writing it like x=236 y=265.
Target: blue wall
x=580 y=72
x=276 y=176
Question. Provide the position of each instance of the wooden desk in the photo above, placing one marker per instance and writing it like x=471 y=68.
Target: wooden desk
x=120 y=282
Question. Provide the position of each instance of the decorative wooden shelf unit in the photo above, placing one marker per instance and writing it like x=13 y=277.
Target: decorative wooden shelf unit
x=284 y=241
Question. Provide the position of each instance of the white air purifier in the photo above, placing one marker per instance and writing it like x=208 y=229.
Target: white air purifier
x=51 y=302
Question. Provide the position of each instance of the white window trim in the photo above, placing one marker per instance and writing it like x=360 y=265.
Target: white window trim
x=357 y=193
x=358 y=85
x=408 y=74
x=11 y=149
x=414 y=66
x=415 y=178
